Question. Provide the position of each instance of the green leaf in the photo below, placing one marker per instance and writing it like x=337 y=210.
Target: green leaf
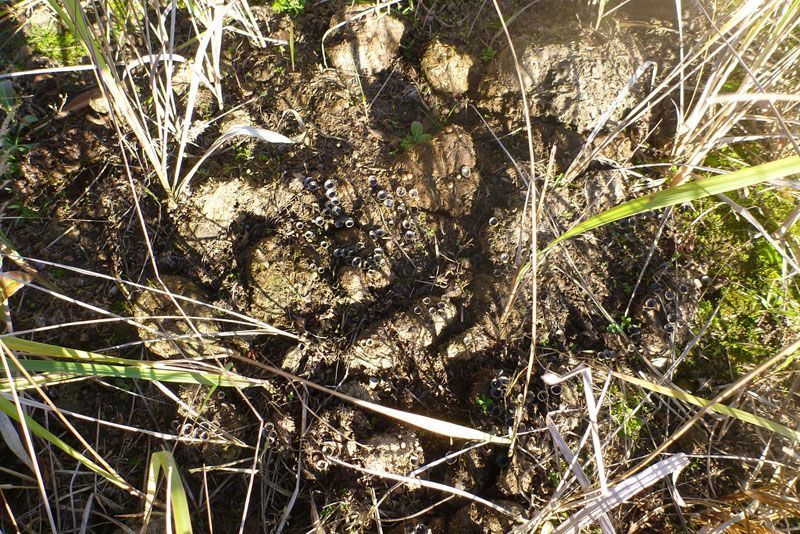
x=416 y=129
x=164 y=461
x=686 y=193
x=8 y=98
x=42 y=380
x=141 y=372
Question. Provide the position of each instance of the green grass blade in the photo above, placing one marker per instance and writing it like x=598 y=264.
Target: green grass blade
x=736 y=413
x=54 y=351
x=683 y=193
x=42 y=380
x=686 y=193
x=179 y=506
x=7 y=407
x=141 y=372
x=97 y=365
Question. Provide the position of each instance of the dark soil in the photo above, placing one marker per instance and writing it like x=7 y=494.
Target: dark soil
x=397 y=290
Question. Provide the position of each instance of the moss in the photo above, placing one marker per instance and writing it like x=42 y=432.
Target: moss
x=757 y=309
x=53 y=41
x=622 y=412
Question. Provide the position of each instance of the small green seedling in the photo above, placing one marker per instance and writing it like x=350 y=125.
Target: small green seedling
x=620 y=327
x=484 y=402
x=244 y=152
x=487 y=54
x=293 y=7
x=407 y=9
x=415 y=137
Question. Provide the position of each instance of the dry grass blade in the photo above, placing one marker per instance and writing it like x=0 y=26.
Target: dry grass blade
x=238 y=130
x=429 y=484
x=11 y=282
x=623 y=492
x=605 y=522
x=268 y=329
x=12 y=441
x=132 y=429
x=592 y=408
x=437 y=426
x=601 y=8
x=7 y=250
x=532 y=193
x=214 y=28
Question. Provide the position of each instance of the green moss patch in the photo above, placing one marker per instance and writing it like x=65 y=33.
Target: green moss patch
x=758 y=308
x=54 y=42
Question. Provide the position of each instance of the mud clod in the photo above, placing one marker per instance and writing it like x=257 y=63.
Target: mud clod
x=151 y=304
x=375 y=350
x=477 y=519
x=282 y=285
x=204 y=219
x=471 y=471
x=435 y=171
x=394 y=453
x=52 y=163
x=467 y=343
x=407 y=332
x=574 y=81
x=370 y=43
x=447 y=68
x=354 y=283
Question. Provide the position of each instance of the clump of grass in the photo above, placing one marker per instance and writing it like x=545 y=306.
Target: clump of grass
x=162 y=120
